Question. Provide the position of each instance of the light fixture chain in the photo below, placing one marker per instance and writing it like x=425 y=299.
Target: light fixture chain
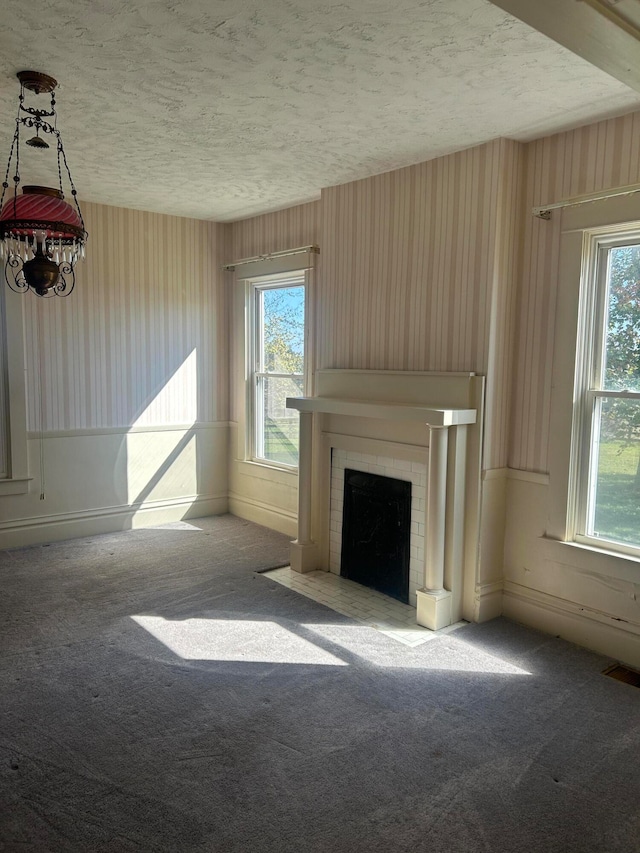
x=5 y=183
x=16 y=139
x=74 y=192
x=59 y=166
x=16 y=177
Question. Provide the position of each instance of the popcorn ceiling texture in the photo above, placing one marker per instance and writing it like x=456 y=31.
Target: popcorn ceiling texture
x=221 y=110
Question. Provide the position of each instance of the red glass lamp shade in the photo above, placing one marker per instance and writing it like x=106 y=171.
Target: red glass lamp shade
x=41 y=209
x=45 y=233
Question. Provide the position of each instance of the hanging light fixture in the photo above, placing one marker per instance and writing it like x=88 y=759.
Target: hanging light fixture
x=41 y=235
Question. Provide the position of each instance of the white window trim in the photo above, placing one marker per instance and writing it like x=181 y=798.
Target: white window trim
x=277 y=280
x=609 y=222
x=17 y=481
x=591 y=331
x=283 y=279
x=242 y=467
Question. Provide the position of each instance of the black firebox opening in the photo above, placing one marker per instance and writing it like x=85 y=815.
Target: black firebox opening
x=376 y=528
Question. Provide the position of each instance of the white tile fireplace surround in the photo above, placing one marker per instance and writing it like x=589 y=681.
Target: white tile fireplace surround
x=421 y=427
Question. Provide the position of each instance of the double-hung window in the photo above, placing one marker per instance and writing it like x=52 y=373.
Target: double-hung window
x=606 y=435
x=277 y=362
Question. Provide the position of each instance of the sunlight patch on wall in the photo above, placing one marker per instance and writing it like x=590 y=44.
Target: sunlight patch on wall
x=235 y=640
x=176 y=402
x=161 y=465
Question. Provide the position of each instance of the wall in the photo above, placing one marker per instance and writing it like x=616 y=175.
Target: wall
x=586 y=596
x=127 y=398
x=592 y=158
x=258 y=492
x=417 y=271
x=285 y=229
x=4 y=432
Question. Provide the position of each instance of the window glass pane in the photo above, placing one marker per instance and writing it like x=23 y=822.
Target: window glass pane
x=615 y=488
x=622 y=341
x=278 y=427
x=283 y=330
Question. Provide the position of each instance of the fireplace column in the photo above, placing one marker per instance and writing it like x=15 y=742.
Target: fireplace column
x=434 y=601
x=304 y=554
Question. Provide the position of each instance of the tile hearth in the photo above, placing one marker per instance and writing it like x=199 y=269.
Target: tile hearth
x=366 y=606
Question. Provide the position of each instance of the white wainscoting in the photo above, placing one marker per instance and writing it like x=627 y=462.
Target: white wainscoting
x=100 y=481
x=586 y=595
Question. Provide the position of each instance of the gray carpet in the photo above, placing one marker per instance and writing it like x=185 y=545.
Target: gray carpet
x=232 y=714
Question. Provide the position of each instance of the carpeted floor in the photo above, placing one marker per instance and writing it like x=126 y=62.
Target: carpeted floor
x=159 y=695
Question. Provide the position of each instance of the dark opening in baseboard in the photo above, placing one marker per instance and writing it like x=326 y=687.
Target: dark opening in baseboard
x=623 y=673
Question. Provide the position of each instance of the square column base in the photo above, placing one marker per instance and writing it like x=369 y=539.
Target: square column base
x=434 y=609
x=304 y=557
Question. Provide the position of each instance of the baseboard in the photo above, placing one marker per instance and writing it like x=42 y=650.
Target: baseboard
x=284 y=521
x=571 y=621
x=54 y=528
x=488 y=601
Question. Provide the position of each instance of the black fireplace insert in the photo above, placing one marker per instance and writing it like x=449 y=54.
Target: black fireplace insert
x=376 y=530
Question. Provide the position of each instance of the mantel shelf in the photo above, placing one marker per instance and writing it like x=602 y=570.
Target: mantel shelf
x=435 y=417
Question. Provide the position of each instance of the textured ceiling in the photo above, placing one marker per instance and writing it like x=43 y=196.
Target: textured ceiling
x=220 y=109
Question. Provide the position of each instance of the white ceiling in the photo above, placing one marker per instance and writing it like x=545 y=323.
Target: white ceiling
x=220 y=109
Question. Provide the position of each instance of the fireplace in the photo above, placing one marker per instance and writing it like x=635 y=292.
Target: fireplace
x=376 y=525
x=405 y=426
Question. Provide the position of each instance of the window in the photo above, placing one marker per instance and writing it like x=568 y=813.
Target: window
x=277 y=366
x=607 y=403
x=14 y=462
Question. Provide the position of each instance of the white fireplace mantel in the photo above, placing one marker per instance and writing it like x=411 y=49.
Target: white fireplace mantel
x=433 y=600
x=435 y=417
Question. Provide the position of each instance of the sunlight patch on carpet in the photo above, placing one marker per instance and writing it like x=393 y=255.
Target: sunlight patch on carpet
x=450 y=656
x=235 y=640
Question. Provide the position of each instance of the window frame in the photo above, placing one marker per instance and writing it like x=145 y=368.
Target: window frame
x=13 y=363
x=588 y=384
x=254 y=331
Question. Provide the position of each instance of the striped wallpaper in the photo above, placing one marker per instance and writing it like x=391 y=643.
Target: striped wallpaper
x=418 y=272
x=417 y=269
x=273 y=232
x=504 y=293
x=408 y=258
x=589 y=159
x=142 y=339
x=440 y=266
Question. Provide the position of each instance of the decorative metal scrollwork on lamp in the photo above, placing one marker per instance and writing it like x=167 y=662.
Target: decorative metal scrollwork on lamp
x=41 y=235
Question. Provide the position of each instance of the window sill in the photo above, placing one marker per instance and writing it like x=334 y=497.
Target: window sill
x=17 y=486
x=600 y=545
